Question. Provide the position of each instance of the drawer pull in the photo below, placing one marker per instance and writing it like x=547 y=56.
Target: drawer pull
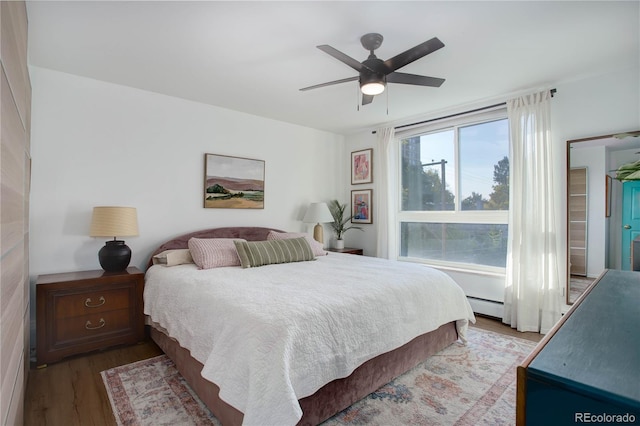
x=88 y=304
x=88 y=325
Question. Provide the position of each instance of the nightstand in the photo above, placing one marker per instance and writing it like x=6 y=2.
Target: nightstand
x=78 y=312
x=347 y=250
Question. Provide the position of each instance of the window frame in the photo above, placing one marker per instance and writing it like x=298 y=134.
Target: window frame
x=488 y=217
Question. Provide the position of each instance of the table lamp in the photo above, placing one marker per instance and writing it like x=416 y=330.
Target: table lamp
x=318 y=213
x=114 y=222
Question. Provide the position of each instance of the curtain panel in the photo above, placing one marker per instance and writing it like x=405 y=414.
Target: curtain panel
x=384 y=186
x=532 y=285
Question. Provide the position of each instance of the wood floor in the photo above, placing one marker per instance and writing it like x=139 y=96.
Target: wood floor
x=71 y=392
x=577 y=286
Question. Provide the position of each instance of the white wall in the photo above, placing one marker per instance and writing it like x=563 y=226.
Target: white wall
x=96 y=143
x=595 y=106
x=592 y=106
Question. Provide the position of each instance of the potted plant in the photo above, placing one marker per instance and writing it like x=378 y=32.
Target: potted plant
x=339 y=223
x=628 y=172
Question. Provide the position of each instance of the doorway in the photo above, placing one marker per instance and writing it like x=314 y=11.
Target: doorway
x=601 y=156
x=630 y=219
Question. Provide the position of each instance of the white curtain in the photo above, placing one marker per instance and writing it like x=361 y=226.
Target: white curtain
x=383 y=188
x=532 y=288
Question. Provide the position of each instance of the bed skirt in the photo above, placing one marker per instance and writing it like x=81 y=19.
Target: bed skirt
x=333 y=397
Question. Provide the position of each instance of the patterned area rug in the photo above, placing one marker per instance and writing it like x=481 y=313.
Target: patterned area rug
x=462 y=385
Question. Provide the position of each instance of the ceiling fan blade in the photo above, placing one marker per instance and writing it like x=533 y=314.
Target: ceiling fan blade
x=418 y=80
x=413 y=54
x=346 y=59
x=367 y=99
x=330 y=83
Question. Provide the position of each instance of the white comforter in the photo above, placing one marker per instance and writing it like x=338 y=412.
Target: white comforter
x=271 y=335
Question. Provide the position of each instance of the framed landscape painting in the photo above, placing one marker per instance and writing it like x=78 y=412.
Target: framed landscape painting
x=361 y=166
x=233 y=182
x=361 y=205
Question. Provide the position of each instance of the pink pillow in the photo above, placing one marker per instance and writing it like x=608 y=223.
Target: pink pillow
x=316 y=247
x=210 y=253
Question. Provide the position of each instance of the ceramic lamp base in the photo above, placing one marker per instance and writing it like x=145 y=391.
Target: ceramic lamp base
x=114 y=256
x=318 y=233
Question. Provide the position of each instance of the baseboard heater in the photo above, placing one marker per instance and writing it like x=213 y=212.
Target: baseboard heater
x=486 y=307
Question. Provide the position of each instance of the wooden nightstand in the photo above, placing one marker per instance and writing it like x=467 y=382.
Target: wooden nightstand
x=78 y=312
x=347 y=250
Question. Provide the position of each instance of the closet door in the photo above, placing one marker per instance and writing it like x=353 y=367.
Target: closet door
x=578 y=221
x=15 y=160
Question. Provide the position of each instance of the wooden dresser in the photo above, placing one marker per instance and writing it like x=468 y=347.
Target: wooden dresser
x=587 y=369
x=78 y=312
x=347 y=250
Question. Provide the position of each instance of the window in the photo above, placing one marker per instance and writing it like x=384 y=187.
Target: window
x=454 y=200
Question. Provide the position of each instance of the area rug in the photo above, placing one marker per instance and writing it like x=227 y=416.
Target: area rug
x=469 y=384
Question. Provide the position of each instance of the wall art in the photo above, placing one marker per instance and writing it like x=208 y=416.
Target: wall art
x=233 y=182
x=362 y=166
x=361 y=204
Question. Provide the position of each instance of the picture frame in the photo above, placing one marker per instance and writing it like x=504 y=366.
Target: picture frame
x=607 y=184
x=362 y=166
x=362 y=206
x=233 y=182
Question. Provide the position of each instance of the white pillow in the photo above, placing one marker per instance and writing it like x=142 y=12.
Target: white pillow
x=173 y=257
x=210 y=253
x=316 y=247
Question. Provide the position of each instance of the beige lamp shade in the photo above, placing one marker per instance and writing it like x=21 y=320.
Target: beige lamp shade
x=318 y=213
x=114 y=222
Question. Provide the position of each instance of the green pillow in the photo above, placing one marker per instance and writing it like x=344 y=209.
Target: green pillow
x=260 y=253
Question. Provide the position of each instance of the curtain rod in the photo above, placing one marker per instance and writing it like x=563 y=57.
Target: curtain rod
x=553 y=91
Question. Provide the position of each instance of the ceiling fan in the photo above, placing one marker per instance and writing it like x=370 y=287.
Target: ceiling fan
x=376 y=73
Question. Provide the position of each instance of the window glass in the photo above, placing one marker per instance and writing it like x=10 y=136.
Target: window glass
x=484 y=166
x=429 y=172
x=470 y=243
x=454 y=185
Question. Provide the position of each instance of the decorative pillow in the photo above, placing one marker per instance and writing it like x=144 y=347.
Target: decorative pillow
x=210 y=253
x=173 y=257
x=316 y=246
x=260 y=253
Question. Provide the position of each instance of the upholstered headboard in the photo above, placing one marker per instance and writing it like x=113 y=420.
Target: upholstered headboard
x=249 y=233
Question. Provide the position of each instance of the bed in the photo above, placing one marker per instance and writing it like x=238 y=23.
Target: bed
x=296 y=342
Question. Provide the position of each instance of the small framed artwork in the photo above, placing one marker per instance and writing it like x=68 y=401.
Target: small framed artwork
x=362 y=209
x=607 y=207
x=233 y=182
x=362 y=166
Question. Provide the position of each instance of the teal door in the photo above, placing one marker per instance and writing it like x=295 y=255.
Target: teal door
x=630 y=219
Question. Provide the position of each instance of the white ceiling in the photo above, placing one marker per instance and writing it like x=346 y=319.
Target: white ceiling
x=254 y=56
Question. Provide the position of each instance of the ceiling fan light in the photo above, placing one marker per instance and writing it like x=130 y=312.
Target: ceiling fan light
x=372 y=88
